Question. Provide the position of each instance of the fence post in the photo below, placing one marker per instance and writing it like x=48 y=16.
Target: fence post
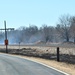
x=58 y=54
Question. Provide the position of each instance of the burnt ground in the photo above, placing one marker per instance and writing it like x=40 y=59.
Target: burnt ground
x=42 y=54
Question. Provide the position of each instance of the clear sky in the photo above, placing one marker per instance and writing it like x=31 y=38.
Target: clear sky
x=37 y=12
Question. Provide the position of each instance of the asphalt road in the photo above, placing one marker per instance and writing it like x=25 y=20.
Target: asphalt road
x=12 y=65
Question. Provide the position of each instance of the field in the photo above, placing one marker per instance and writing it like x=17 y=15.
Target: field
x=49 y=53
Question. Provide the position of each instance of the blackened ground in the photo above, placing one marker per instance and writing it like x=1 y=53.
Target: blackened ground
x=36 y=53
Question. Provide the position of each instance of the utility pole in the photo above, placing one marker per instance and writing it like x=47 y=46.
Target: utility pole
x=6 y=40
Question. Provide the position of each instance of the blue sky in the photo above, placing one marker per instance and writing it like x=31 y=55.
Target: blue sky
x=37 y=12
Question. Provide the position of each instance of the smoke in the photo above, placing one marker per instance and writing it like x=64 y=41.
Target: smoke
x=28 y=35
x=2 y=38
x=21 y=36
x=1 y=41
x=35 y=38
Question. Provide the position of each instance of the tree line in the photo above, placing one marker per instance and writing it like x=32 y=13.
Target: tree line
x=63 y=32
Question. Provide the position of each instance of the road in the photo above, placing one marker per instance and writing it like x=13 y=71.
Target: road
x=12 y=65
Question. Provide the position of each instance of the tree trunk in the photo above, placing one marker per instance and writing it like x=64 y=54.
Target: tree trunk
x=74 y=40
x=67 y=36
x=67 y=39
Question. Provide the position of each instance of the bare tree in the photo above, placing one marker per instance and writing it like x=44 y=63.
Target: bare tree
x=47 y=33
x=64 y=22
x=73 y=27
